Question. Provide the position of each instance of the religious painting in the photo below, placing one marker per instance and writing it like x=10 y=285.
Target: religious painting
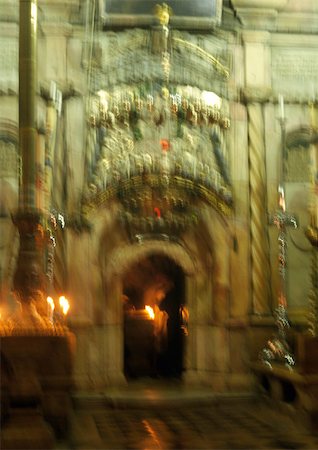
x=204 y=9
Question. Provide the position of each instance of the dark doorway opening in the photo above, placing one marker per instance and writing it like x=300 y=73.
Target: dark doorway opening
x=155 y=318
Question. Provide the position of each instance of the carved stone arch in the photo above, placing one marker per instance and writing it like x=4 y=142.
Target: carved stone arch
x=121 y=258
x=118 y=261
x=206 y=305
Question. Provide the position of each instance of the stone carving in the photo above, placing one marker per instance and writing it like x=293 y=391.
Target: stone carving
x=9 y=160
x=168 y=142
x=9 y=64
x=298 y=143
x=257 y=94
x=126 y=58
x=295 y=70
x=259 y=239
x=298 y=168
x=157 y=127
x=295 y=65
x=121 y=258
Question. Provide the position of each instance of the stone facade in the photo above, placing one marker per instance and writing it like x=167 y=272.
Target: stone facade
x=229 y=261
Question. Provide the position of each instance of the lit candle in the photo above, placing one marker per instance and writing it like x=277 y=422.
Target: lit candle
x=51 y=308
x=281 y=106
x=150 y=312
x=64 y=304
x=281 y=200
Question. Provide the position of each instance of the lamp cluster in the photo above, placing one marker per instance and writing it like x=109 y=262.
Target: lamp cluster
x=57 y=311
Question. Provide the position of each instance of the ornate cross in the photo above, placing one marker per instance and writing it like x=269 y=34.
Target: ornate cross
x=277 y=349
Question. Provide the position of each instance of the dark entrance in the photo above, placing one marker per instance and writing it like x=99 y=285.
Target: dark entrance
x=154 y=345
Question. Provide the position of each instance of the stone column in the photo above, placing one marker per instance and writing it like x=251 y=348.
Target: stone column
x=29 y=279
x=255 y=94
x=112 y=331
x=260 y=265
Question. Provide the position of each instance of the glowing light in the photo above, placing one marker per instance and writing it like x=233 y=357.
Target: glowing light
x=165 y=144
x=51 y=303
x=152 y=434
x=282 y=203
x=211 y=99
x=61 y=220
x=64 y=304
x=150 y=311
x=34 y=12
x=103 y=102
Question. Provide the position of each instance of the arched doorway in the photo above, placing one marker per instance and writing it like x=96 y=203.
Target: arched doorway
x=155 y=318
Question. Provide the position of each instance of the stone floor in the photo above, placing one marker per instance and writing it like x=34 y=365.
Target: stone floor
x=151 y=419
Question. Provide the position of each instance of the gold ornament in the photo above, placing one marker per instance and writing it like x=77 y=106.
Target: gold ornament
x=163 y=12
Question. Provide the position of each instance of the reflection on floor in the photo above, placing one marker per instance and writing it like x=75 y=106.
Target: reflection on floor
x=229 y=423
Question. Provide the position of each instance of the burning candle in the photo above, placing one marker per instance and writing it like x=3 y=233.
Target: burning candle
x=64 y=304
x=281 y=200
x=51 y=308
x=150 y=311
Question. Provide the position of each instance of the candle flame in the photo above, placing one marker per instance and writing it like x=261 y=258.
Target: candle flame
x=64 y=304
x=150 y=311
x=281 y=201
x=51 y=302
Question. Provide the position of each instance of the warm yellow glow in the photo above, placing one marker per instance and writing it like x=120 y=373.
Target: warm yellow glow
x=64 y=304
x=281 y=201
x=211 y=99
x=150 y=311
x=51 y=302
x=103 y=99
x=34 y=13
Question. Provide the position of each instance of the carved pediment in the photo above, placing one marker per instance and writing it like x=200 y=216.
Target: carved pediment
x=129 y=58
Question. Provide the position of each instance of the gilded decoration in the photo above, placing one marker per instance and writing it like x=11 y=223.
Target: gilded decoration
x=156 y=133
x=159 y=155
x=132 y=57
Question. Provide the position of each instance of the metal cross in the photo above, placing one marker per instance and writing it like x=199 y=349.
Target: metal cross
x=278 y=349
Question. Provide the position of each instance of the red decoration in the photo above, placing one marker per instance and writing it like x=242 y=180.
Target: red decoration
x=157 y=212
x=165 y=144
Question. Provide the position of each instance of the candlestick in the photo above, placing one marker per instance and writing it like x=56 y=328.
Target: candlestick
x=281 y=106
x=277 y=349
x=53 y=91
